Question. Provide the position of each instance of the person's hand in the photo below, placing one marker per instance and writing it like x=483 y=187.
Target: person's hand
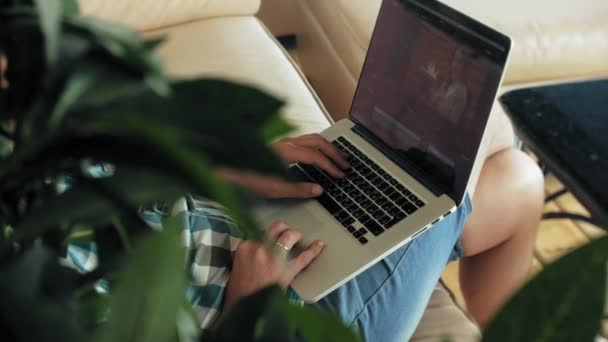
x=307 y=149
x=255 y=266
x=313 y=149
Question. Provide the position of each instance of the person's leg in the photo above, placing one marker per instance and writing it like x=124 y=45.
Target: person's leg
x=498 y=238
x=385 y=303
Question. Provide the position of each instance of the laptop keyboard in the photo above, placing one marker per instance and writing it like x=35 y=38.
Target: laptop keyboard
x=368 y=199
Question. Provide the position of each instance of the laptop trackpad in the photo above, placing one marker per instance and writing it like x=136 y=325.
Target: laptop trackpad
x=299 y=217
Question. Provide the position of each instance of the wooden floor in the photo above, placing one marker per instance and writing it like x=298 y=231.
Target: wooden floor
x=555 y=237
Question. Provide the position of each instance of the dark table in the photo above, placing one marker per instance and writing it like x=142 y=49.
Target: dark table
x=566 y=126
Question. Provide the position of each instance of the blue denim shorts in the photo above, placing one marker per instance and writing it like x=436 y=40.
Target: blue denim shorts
x=386 y=302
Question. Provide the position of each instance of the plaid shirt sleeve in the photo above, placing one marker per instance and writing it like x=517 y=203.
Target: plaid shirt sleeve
x=211 y=239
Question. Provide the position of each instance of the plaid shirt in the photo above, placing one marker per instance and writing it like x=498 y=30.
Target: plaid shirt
x=211 y=239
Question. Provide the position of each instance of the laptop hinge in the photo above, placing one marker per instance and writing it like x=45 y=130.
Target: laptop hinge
x=404 y=164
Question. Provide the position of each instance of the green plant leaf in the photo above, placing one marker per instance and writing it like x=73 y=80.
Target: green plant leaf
x=236 y=138
x=125 y=45
x=316 y=325
x=564 y=302
x=146 y=300
x=81 y=204
x=245 y=314
x=71 y=8
x=49 y=12
x=267 y=315
x=34 y=299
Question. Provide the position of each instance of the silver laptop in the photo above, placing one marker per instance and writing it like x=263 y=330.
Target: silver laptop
x=416 y=123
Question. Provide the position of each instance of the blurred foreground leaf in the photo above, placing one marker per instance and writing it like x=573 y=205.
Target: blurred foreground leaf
x=35 y=304
x=146 y=299
x=564 y=302
x=267 y=315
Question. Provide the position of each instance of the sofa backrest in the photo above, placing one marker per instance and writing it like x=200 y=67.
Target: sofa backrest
x=153 y=14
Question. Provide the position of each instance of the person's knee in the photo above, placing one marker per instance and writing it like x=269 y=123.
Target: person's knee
x=508 y=201
x=524 y=182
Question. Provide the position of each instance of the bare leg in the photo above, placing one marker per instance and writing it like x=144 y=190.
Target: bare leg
x=498 y=238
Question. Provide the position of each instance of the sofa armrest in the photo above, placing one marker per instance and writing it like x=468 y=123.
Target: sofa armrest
x=146 y=15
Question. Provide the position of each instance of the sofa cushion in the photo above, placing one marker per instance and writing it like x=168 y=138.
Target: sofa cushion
x=443 y=320
x=241 y=49
x=153 y=14
x=552 y=39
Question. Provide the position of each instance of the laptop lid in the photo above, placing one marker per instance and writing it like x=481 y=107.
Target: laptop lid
x=426 y=90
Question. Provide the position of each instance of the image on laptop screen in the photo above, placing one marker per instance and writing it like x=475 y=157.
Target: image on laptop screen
x=426 y=91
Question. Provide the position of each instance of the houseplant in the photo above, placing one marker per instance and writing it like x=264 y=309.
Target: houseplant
x=83 y=94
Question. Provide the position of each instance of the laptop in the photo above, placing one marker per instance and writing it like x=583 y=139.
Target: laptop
x=416 y=123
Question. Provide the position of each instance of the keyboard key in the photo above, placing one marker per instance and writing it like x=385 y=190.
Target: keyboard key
x=400 y=201
x=374 y=179
x=400 y=187
x=377 y=214
x=406 y=192
x=396 y=219
x=341 y=215
x=334 y=192
x=342 y=182
x=362 y=240
x=362 y=231
x=329 y=204
x=365 y=171
x=374 y=227
x=384 y=219
x=395 y=196
x=409 y=208
x=351 y=229
x=385 y=188
x=359 y=182
x=352 y=207
x=375 y=195
x=419 y=203
x=382 y=185
x=365 y=203
x=372 y=208
x=393 y=211
x=364 y=218
x=347 y=202
x=348 y=221
x=360 y=198
x=393 y=181
x=348 y=188
x=381 y=172
x=342 y=140
x=358 y=213
x=340 y=197
x=413 y=198
x=357 y=235
x=388 y=206
x=387 y=177
x=381 y=201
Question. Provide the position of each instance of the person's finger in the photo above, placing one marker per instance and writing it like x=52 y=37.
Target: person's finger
x=275 y=230
x=297 y=264
x=319 y=142
x=309 y=155
x=271 y=187
x=289 y=238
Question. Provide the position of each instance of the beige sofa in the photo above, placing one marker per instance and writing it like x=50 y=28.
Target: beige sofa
x=219 y=38
x=552 y=39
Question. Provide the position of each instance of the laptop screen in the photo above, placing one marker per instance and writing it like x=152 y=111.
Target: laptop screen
x=427 y=88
